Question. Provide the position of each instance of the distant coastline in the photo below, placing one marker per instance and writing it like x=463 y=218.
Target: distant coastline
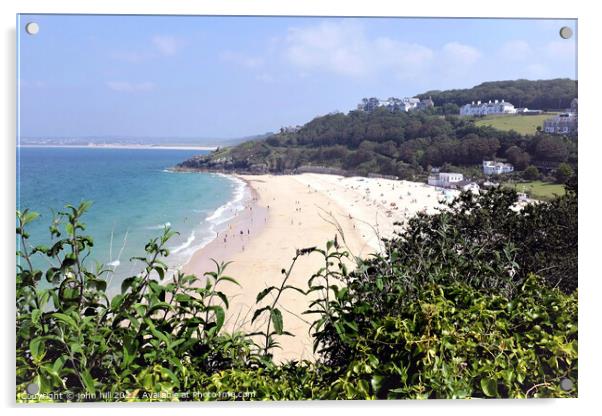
x=123 y=146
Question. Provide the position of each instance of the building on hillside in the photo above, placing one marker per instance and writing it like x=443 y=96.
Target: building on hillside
x=290 y=129
x=425 y=104
x=490 y=185
x=491 y=167
x=394 y=104
x=526 y=112
x=472 y=187
x=564 y=123
x=484 y=109
x=446 y=179
x=574 y=106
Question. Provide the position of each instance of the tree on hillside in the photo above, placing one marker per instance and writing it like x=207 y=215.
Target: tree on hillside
x=474 y=149
x=551 y=148
x=531 y=173
x=541 y=94
x=518 y=157
x=563 y=173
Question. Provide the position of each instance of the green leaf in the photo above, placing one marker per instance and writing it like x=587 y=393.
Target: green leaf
x=264 y=293
x=489 y=387
x=66 y=319
x=220 y=317
x=29 y=217
x=36 y=314
x=277 y=320
x=99 y=284
x=129 y=351
x=294 y=288
x=127 y=283
x=174 y=379
x=224 y=298
x=376 y=382
x=36 y=348
x=76 y=347
x=159 y=306
x=88 y=382
x=116 y=302
x=229 y=279
x=259 y=312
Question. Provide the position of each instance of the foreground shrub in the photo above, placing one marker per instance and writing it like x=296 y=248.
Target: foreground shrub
x=455 y=342
x=72 y=337
x=460 y=305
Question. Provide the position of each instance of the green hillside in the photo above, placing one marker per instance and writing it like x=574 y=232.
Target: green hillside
x=518 y=123
x=544 y=191
x=541 y=94
x=387 y=143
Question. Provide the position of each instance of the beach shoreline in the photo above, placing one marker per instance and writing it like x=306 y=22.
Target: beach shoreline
x=233 y=236
x=285 y=213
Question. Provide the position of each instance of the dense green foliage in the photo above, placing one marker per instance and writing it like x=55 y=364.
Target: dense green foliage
x=542 y=94
x=407 y=144
x=564 y=172
x=388 y=143
x=479 y=300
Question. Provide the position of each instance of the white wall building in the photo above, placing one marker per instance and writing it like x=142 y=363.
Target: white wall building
x=564 y=123
x=472 y=187
x=445 y=179
x=483 y=109
x=393 y=104
x=491 y=167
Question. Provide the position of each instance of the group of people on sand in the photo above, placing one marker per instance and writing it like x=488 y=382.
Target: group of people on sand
x=232 y=230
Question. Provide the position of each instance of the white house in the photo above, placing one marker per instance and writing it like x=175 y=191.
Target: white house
x=394 y=104
x=445 y=179
x=564 y=123
x=483 y=109
x=491 y=167
x=472 y=187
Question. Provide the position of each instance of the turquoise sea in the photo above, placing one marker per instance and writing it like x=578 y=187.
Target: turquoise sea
x=134 y=196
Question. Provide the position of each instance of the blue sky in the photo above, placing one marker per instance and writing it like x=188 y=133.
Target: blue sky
x=222 y=77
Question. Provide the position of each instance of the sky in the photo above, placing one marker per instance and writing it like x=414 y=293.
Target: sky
x=226 y=77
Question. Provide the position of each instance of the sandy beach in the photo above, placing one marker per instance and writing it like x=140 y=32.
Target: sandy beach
x=288 y=212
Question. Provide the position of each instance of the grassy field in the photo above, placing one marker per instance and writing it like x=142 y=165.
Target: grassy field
x=537 y=189
x=521 y=124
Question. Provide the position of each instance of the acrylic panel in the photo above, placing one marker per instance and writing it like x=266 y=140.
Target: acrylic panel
x=293 y=208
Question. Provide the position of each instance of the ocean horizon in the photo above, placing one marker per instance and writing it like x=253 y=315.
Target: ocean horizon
x=134 y=196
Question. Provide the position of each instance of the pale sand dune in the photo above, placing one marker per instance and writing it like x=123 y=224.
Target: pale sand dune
x=291 y=213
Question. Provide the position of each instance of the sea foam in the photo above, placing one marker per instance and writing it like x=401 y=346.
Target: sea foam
x=229 y=210
x=213 y=222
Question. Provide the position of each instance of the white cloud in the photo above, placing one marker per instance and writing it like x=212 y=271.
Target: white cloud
x=241 y=59
x=458 y=53
x=166 y=45
x=125 y=86
x=560 y=49
x=345 y=49
x=515 y=50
